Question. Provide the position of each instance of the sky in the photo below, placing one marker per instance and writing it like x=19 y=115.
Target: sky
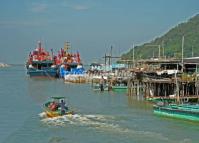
x=91 y=26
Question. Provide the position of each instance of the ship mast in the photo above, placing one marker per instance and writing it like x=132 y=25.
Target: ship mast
x=39 y=46
x=66 y=47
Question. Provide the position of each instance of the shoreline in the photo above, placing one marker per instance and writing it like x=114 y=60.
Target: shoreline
x=3 y=65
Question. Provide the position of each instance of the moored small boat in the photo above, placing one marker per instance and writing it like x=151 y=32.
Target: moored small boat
x=181 y=111
x=120 y=88
x=160 y=99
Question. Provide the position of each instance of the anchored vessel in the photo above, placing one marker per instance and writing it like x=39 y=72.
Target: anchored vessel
x=40 y=63
x=70 y=65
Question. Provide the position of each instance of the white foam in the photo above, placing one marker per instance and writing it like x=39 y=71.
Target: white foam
x=42 y=115
x=96 y=121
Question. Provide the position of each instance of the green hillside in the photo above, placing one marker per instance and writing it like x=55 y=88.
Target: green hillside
x=171 y=42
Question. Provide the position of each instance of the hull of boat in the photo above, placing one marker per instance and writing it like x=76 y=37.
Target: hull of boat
x=155 y=100
x=178 y=111
x=42 y=73
x=119 y=88
x=73 y=71
x=42 y=69
x=52 y=114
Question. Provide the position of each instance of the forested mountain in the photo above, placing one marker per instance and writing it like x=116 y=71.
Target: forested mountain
x=171 y=43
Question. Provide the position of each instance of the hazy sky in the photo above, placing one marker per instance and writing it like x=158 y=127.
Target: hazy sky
x=91 y=26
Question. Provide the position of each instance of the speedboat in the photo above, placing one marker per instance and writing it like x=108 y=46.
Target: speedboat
x=52 y=108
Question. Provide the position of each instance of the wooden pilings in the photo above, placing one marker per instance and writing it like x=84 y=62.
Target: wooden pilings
x=135 y=87
x=163 y=88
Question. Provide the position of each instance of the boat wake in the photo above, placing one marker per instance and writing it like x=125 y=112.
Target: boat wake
x=103 y=123
x=78 y=119
x=97 y=121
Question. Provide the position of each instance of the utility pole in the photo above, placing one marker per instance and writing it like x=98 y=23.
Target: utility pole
x=163 y=50
x=110 y=57
x=182 y=52
x=105 y=59
x=153 y=54
x=192 y=51
x=158 y=49
x=133 y=55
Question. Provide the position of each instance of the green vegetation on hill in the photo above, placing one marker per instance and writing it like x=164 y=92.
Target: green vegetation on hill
x=171 y=42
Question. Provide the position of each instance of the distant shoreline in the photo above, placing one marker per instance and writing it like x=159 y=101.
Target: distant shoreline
x=3 y=65
x=16 y=64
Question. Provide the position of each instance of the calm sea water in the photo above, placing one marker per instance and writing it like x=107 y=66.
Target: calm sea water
x=102 y=117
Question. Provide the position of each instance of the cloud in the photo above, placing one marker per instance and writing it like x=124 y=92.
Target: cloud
x=79 y=7
x=39 y=7
x=76 y=7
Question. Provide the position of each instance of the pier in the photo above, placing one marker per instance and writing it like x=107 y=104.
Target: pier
x=155 y=82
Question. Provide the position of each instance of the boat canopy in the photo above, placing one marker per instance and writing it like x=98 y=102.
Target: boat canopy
x=58 y=97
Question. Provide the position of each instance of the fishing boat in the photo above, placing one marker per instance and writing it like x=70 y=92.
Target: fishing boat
x=177 y=110
x=53 y=108
x=40 y=63
x=119 y=84
x=181 y=111
x=69 y=64
x=120 y=87
x=160 y=99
